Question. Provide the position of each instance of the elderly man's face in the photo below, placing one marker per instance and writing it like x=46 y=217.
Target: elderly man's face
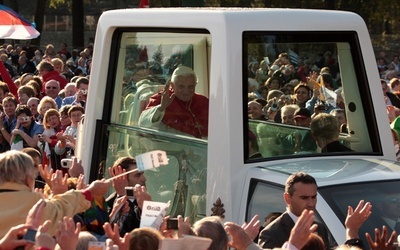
x=184 y=87
x=52 y=89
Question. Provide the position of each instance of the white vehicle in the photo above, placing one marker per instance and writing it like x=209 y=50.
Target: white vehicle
x=134 y=44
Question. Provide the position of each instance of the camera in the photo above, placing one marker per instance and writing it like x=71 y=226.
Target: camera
x=274 y=107
x=322 y=107
x=84 y=91
x=30 y=235
x=130 y=193
x=66 y=163
x=25 y=118
x=40 y=136
x=172 y=223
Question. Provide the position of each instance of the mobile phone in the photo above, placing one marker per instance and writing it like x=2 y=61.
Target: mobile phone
x=96 y=245
x=66 y=163
x=172 y=223
x=30 y=235
x=129 y=191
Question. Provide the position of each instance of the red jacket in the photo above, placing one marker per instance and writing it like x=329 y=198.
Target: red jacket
x=54 y=75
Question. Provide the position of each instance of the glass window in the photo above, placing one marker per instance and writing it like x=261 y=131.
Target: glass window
x=144 y=62
x=385 y=201
x=321 y=72
x=266 y=200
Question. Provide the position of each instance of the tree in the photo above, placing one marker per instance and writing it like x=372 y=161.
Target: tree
x=78 y=38
x=39 y=19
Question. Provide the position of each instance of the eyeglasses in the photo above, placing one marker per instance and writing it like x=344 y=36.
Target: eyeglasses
x=301 y=92
x=51 y=87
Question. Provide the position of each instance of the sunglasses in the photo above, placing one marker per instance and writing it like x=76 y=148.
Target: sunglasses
x=49 y=87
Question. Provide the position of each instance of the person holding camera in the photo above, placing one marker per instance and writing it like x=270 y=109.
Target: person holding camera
x=81 y=90
x=27 y=130
x=130 y=193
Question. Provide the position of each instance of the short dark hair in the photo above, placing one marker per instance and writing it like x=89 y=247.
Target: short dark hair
x=23 y=109
x=75 y=108
x=125 y=162
x=296 y=178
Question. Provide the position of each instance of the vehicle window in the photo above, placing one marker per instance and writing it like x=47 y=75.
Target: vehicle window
x=266 y=200
x=385 y=201
x=144 y=62
x=320 y=72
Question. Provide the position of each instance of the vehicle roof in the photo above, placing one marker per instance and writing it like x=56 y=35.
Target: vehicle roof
x=340 y=171
x=260 y=18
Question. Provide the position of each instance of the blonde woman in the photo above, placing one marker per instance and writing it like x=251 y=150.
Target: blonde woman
x=45 y=104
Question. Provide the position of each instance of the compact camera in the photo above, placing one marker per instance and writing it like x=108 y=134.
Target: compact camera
x=66 y=163
x=25 y=118
x=129 y=191
x=84 y=91
x=274 y=107
x=172 y=223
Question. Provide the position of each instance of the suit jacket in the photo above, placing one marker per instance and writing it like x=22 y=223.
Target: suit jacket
x=335 y=146
x=278 y=232
x=393 y=99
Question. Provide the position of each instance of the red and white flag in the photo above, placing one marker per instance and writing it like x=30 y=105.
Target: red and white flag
x=144 y=4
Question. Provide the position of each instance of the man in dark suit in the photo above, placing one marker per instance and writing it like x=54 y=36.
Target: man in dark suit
x=325 y=130
x=300 y=194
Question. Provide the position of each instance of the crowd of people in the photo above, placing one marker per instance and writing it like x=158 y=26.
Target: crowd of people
x=67 y=214
x=43 y=98
x=296 y=94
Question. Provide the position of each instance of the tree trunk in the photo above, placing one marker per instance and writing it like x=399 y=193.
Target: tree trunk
x=39 y=19
x=78 y=32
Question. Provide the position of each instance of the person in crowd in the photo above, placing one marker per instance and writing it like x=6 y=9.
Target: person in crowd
x=45 y=104
x=49 y=52
x=24 y=93
x=302 y=94
x=273 y=83
x=64 y=118
x=262 y=72
x=178 y=109
x=69 y=90
x=129 y=218
x=37 y=58
x=390 y=98
x=58 y=65
x=340 y=115
x=47 y=72
x=325 y=130
x=66 y=141
x=302 y=118
x=81 y=91
x=19 y=174
x=52 y=89
x=64 y=50
x=255 y=109
x=4 y=91
x=212 y=227
x=8 y=121
x=24 y=79
x=26 y=130
x=24 y=66
x=10 y=69
x=52 y=126
x=36 y=88
x=287 y=114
